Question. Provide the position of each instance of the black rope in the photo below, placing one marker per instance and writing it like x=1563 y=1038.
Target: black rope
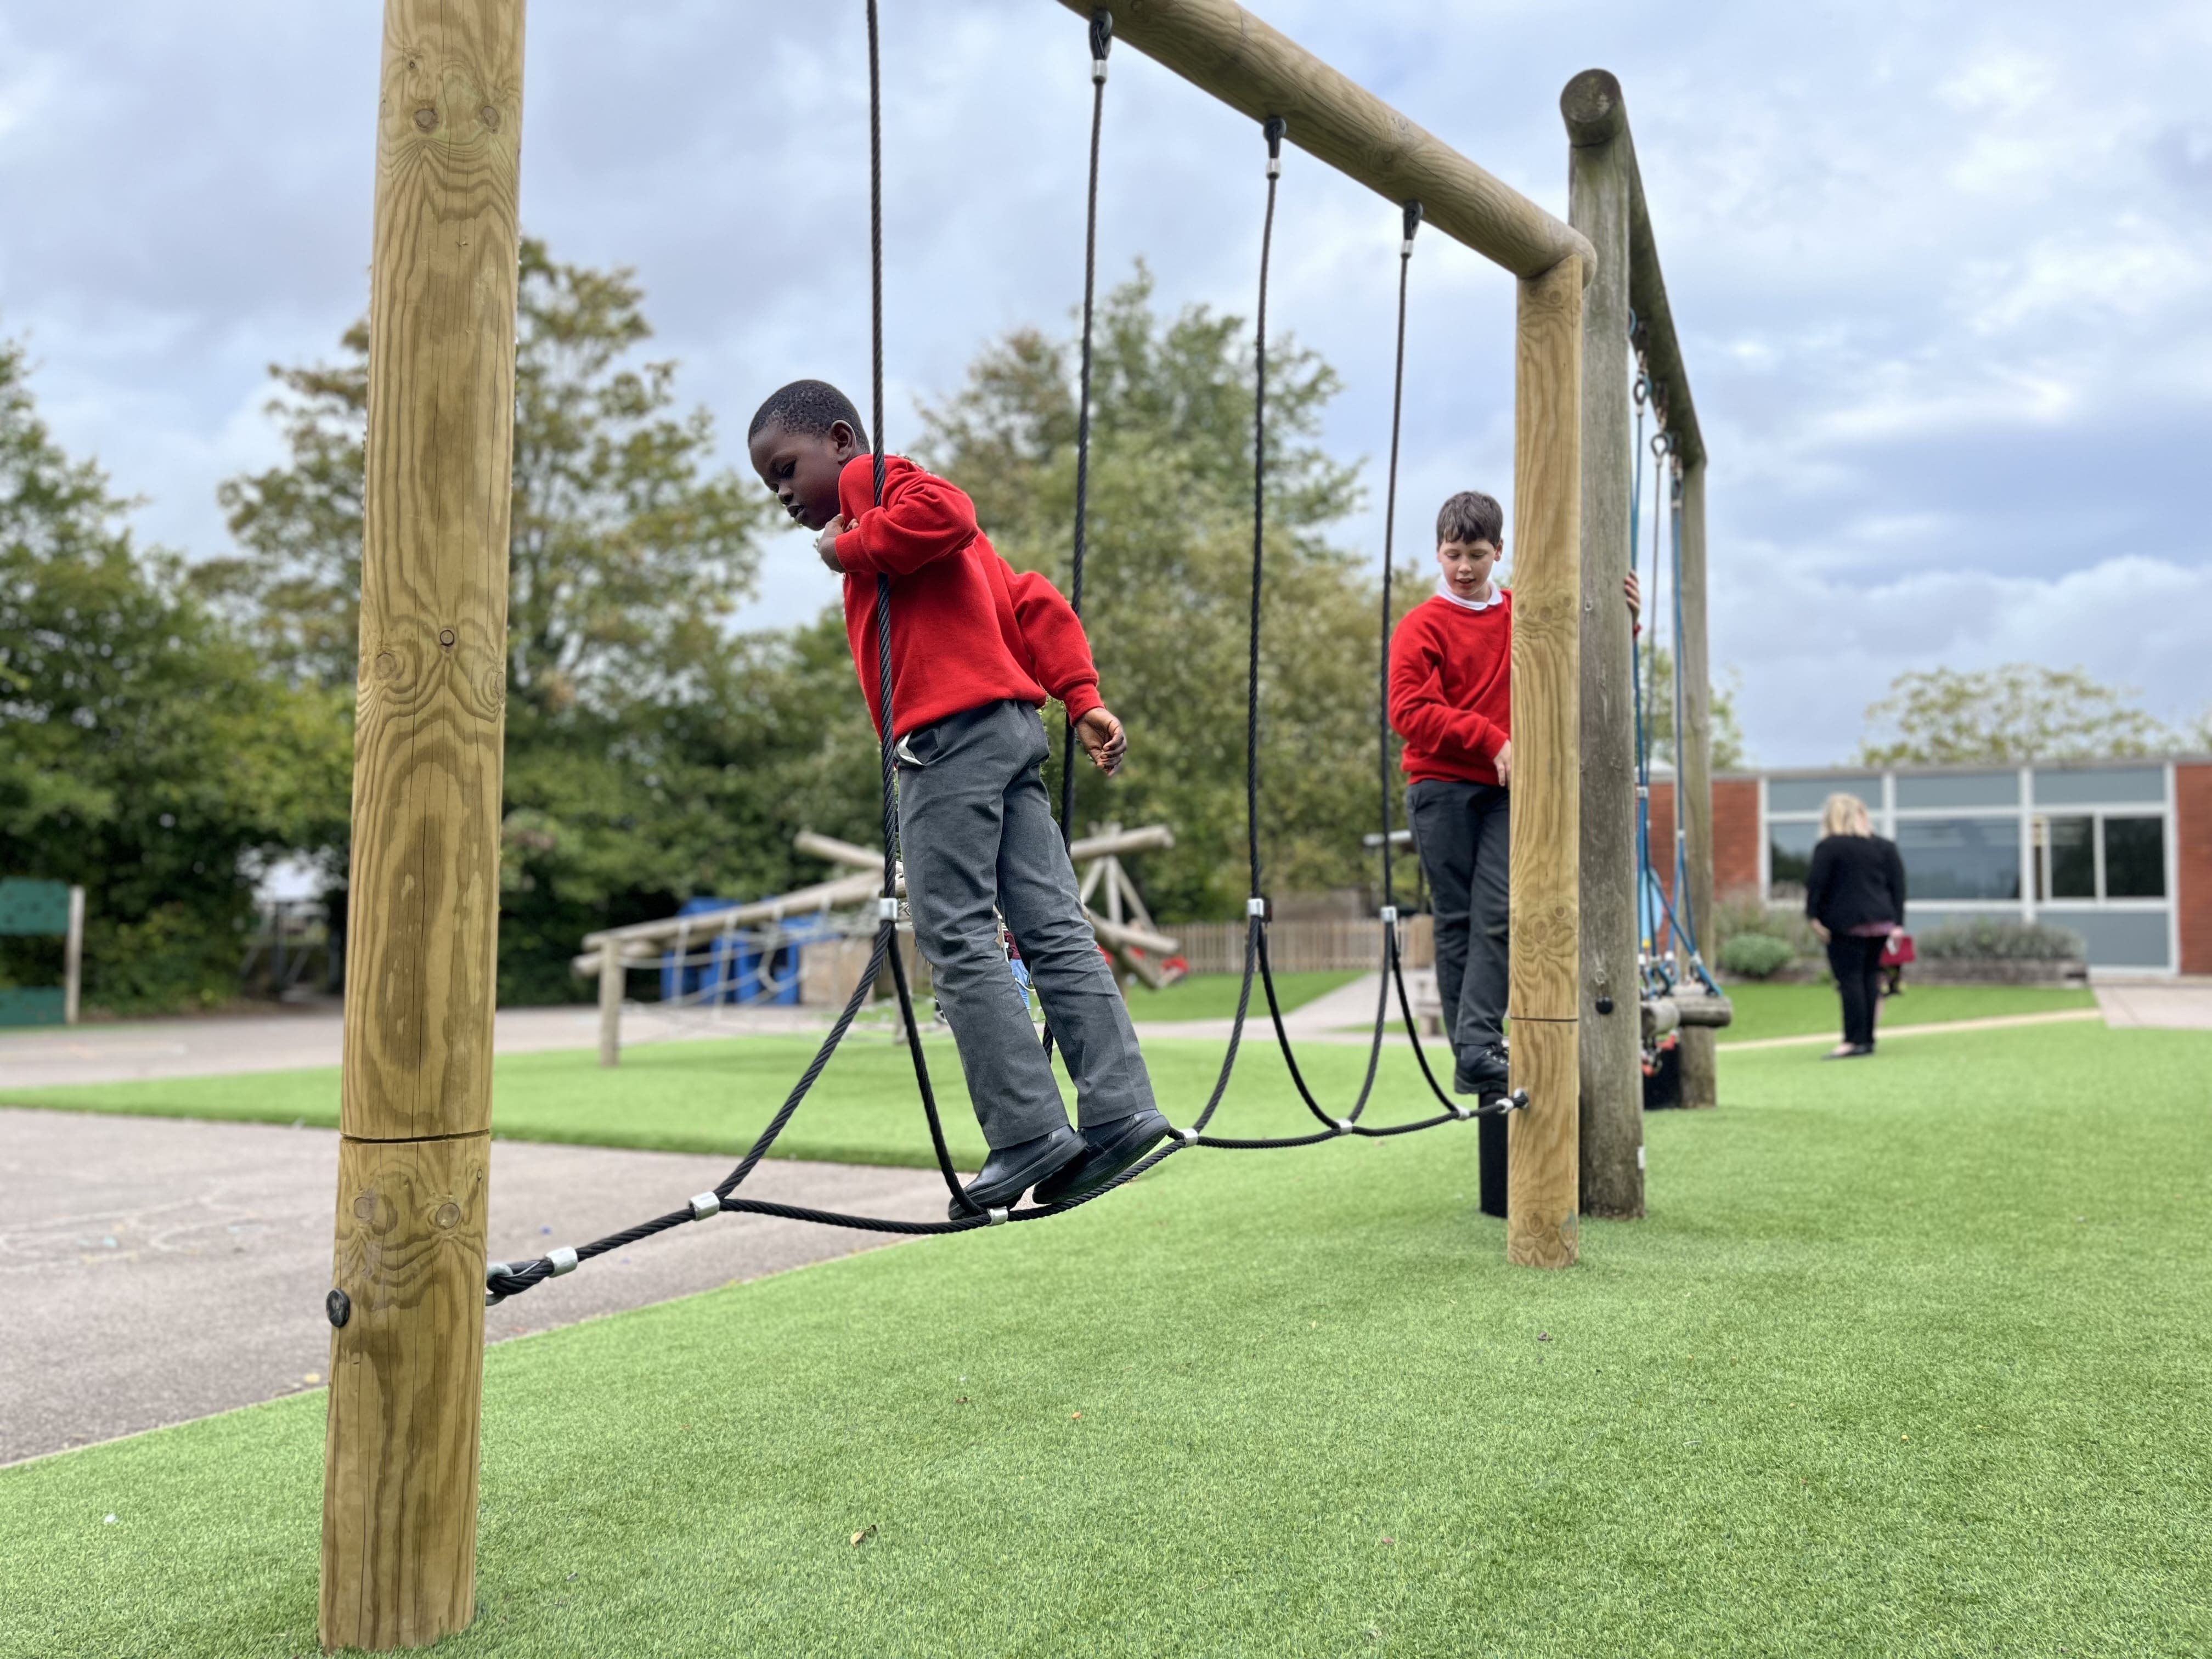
x=1102 y=42
x=1389 y=549
x=513 y=1280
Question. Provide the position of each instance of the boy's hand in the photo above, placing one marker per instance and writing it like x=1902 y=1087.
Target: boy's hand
x=826 y=543
x=1635 y=597
x=1504 y=764
x=1103 y=739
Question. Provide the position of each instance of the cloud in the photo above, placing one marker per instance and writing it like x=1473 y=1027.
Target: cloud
x=1942 y=272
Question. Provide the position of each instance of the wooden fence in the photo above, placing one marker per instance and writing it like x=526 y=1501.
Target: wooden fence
x=1217 y=947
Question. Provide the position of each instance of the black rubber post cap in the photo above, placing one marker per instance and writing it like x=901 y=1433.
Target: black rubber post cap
x=1605 y=1004
x=339 y=1306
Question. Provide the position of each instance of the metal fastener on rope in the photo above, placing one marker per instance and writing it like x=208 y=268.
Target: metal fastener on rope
x=1390 y=914
x=995 y=1218
x=561 y=1259
x=886 y=908
x=494 y=1270
x=1275 y=128
x=1256 y=907
x=705 y=1205
x=1101 y=41
x=1412 y=224
x=1343 y=1126
x=1186 y=1137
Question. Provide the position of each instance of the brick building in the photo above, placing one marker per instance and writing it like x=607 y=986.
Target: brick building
x=2120 y=851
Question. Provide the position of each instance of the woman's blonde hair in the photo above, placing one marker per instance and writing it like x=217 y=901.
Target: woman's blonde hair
x=1844 y=814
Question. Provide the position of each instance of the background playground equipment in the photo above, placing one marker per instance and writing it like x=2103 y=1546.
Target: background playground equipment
x=837 y=917
x=406 y=1303
x=44 y=909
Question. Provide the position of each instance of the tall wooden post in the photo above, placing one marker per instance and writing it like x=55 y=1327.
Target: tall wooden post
x=1599 y=165
x=1540 y=1218
x=400 y=1473
x=1695 y=773
x=610 y=1002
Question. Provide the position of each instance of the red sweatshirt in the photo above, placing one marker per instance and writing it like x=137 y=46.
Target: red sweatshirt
x=967 y=628
x=1452 y=688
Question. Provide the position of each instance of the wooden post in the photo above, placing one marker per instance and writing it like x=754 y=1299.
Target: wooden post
x=1694 y=772
x=1599 y=164
x=610 y=1002
x=400 y=1492
x=73 y=957
x=1223 y=50
x=1541 y=1224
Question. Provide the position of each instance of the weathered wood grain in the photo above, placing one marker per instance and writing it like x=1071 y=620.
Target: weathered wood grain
x=1542 y=1227
x=1223 y=49
x=1612 y=1073
x=1545 y=967
x=399 y=1459
x=400 y=1451
x=432 y=686
x=610 y=1002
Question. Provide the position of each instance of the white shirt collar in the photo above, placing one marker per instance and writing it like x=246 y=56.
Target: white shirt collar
x=1496 y=594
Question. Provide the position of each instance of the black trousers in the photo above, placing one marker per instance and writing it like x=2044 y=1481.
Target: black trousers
x=1856 y=963
x=1463 y=833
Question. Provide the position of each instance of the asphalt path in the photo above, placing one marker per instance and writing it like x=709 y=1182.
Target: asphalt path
x=153 y=1270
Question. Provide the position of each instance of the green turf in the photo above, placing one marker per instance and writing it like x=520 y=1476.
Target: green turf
x=1213 y=996
x=1771 y=1010
x=1909 y=1358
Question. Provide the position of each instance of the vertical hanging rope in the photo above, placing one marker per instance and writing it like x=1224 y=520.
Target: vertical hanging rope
x=1390 y=548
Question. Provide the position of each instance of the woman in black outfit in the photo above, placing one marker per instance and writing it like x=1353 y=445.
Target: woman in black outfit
x=1854 y=893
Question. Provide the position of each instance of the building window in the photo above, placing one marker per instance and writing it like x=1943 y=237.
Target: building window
x=2134 y=858
x=1960 y=858
x=2066 y=857
x=1789 y=857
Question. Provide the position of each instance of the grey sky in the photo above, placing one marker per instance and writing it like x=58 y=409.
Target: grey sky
x=1942 y=272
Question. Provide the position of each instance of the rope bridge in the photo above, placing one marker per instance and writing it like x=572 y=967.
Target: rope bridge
x=504 y=1279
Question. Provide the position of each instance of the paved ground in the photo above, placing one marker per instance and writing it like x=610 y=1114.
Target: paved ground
x=283 y=1040
x=1346 y=1015
x=153 y=1270
x=2174 y=1005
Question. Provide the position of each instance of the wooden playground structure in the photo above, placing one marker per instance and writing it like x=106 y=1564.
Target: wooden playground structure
x=407 y=1303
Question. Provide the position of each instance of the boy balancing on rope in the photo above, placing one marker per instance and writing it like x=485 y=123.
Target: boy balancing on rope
x=976 y=648
x=1451 y=662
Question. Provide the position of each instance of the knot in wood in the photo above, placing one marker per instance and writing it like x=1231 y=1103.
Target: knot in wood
x=448 y=1213
x=364 y=1208
x=387 y=665
x=446 y=638
x=426 y=117
x=489 y=117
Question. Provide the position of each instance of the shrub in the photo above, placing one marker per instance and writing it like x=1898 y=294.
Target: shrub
x=1999 y=938
x=1756 y=956
x=1747 y=913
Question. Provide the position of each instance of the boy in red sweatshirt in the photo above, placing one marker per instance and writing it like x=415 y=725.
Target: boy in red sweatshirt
x=1451 y=663
x=976 y=647
x=1451 y=672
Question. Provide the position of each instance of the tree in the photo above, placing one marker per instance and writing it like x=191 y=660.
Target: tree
x=1167 y=583
x=142 y=755
x=1729 y=751
x=2015 y=714
x=628 y=553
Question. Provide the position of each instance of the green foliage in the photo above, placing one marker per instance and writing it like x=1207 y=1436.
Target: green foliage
x=648 y=757
x=1756 y=956
x=1999 y=938
x=2015 y=714
x=1747 y=913
x=1167 y=583
x=142 y=755
x=1729 y=753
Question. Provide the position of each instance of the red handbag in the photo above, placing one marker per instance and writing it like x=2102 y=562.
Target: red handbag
x=1898 y=950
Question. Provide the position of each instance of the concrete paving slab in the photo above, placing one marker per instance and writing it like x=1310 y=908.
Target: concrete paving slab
x=153 y=1270
x=2172 y=1005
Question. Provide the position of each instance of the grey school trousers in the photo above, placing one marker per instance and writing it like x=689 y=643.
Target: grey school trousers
x=1463 y=833
x=976 y=829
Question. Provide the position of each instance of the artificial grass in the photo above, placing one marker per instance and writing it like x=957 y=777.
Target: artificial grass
x=1909 y=1358
x=1771 y=1011
x=1213 y=996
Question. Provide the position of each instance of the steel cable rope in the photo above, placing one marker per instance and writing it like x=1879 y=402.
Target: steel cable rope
x=503 y=1280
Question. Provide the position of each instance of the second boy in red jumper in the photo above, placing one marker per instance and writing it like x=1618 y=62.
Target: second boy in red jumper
x=976 y=647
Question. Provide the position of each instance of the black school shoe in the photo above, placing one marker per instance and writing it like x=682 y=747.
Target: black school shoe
x=1108 y=1150
x=1012 y=1170
x=1484 y=1072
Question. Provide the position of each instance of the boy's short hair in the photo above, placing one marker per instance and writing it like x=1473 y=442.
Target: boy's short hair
x=1470 y=517
x=809 y=409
